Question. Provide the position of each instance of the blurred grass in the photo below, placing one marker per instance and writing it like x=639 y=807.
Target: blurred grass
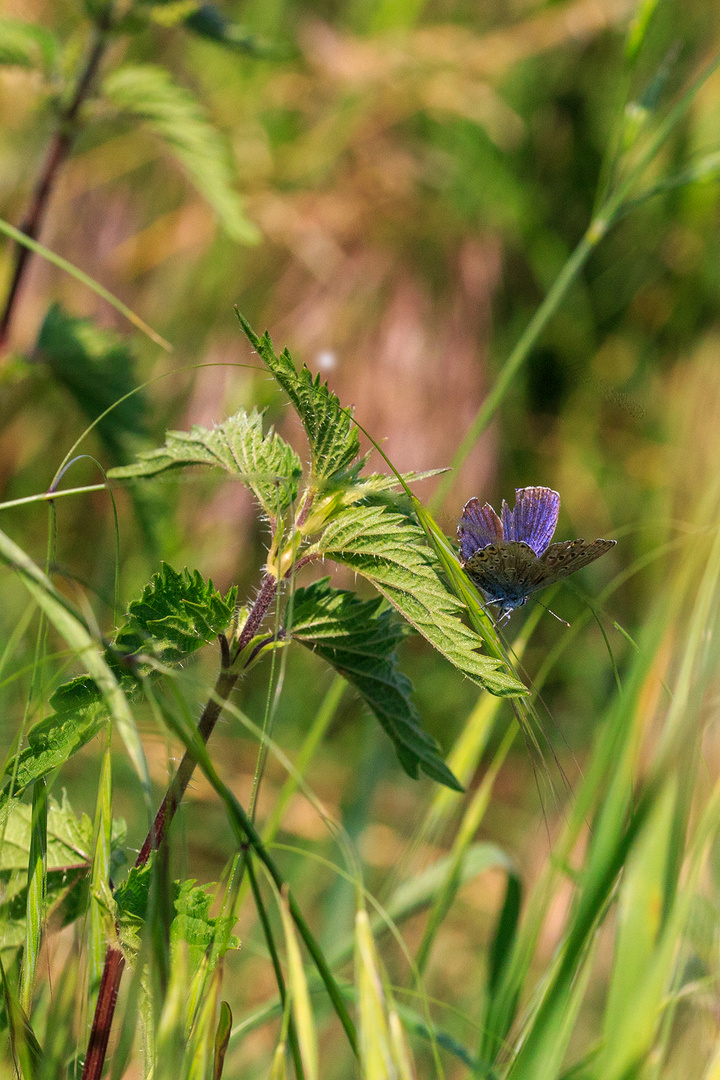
x=419 y=175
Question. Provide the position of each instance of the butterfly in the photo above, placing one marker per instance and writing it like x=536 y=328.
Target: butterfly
x=511 y=556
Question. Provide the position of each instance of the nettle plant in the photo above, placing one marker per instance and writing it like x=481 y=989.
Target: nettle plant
x=333 y=511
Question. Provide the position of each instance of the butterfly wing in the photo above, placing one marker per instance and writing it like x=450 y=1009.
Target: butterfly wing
x=534 y=518
x=505 y=572
x=561 y=560
x=479 y=527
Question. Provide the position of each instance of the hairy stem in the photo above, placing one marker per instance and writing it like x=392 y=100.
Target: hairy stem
x=114 y=959
x=57 y=153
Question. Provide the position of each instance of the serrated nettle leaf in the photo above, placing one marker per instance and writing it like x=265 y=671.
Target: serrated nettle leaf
x=69 y=854
x=193 y=923
x=390 y=550
x=27 y=45
x=148 y=93
x=56 y=738
x=359 y=641
x=97 y=368
x=177 y=613
x=333 y=437
x=264 y=462
x=69 y=838
x=62 y=887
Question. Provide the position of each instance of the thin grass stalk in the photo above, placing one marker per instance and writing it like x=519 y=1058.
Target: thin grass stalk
x=246 y=833
x=36 y=891
x=302 y=1013
x=100 y=876
x=275 y=959
x=613 y=840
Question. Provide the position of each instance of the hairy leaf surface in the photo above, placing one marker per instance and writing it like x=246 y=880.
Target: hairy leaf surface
x=360 y=642
x=78 y=717
x=177 y=613
x=390 y=551
x=333 y=437
x=265 y=462
x=175 y=116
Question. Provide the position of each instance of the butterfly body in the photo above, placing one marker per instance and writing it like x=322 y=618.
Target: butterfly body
x=510 y=557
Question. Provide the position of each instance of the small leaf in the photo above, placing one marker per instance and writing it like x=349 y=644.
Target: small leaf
x=176 y=614
x=360 y=643
x=27 y=45
x=192 y=923
x=79 y=715
x=192 y=926
x=333 y=437
x=69 y=853
x=222 y=1039
x=69 y=838
x=269 y=467
x=97 y=367
x=175 y=116
x=390 y=551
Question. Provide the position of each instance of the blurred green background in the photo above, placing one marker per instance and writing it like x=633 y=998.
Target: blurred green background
x=417 y=174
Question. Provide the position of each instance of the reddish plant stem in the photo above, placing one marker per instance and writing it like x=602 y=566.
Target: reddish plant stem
x=114 y=959
x=57 y=153
x=104 y=1012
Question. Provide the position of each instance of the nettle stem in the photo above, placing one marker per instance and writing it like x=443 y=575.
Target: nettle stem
x=114 y=958
x=56 y=156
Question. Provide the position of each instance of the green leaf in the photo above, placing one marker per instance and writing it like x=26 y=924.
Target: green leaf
x=69 y=838
x=193 y=924
x=175 y=116
x=333 y=437
x=70 y=625
x=131 y=899
x=27 y=45
x=69 y=854
x=360 y=642
x=269 y=467
x=97 y=367
x=390 y=551
x=79 y=715
x=176 y=614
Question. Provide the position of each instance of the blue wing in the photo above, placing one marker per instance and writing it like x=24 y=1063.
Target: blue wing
x=534 y=519
x=479 y=527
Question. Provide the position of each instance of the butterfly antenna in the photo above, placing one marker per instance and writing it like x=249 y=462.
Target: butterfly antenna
x=550 y=612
